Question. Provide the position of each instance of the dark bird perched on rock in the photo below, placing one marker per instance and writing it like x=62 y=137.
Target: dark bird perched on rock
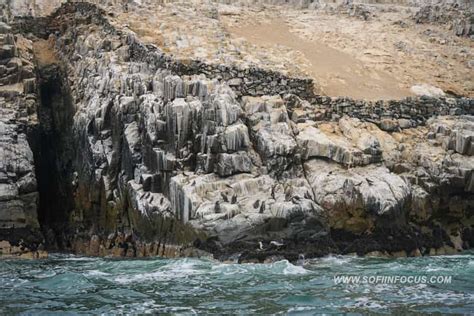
x=256 y=204
x=262 y=207
x=217 y=207
x=224 y=197
x=234 y=199
x=161 y=200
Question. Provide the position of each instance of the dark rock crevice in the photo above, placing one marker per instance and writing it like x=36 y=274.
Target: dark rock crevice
x=53 y=150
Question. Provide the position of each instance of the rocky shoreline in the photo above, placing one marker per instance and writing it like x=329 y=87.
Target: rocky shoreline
x=137 y=154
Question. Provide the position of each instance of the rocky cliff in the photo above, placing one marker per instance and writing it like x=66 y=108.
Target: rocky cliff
x=20 y=232
x=137 y=154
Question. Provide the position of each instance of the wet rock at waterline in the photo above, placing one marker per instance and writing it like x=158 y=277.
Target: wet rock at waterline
x=20 y=233
x=138 y=154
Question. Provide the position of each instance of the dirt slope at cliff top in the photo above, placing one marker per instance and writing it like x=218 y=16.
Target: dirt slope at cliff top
x=381 y=58
x=338 y=73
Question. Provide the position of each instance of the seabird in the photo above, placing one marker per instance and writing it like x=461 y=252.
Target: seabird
x=276 y=243
x=217 y=207
x=260 y=245
x=256 y=204
x=234 y=199
x=224 y=197
x=300 y=261
x=262 y=207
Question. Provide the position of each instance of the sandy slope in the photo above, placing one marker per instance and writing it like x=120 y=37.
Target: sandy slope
x=337 y=73
x=381 y=58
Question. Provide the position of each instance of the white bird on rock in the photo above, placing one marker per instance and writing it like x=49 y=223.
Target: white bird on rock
x=276 y=243
x=301 y=260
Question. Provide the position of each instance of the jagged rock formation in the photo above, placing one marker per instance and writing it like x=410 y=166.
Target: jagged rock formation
x=460 y=14
x=140 y=154
x=19 y=227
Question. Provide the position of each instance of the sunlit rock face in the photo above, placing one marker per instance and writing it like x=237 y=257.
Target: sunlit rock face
x=19 y=226
x=140 y=154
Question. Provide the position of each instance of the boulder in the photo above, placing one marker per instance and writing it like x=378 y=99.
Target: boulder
x=357 y=198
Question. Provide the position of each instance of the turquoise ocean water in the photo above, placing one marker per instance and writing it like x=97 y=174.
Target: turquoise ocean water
x=80 y=285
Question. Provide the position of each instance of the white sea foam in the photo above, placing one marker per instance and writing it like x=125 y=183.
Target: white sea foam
x=77 y=258
x=366 y=302
x=229 y=268
x=147 y=307
x=279 y=267
x=460 y=256
x=332 y=260
x=301 y=309
x=447 y=297
x=436 y=269
x=140 y=277
x=176 y=269
x=292 y=269
x=95 y=273
x=45 y=274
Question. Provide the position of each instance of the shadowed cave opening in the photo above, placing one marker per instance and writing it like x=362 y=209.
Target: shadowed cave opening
x=53 y=151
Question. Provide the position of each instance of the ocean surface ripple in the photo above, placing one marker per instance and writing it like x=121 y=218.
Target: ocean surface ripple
x=81 y=285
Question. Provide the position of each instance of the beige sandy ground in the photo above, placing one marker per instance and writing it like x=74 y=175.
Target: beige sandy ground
x=337 y=72
x=377 y=59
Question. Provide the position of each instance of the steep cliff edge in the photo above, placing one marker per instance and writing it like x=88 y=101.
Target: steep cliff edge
x=138 y=154
x=20 y=232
